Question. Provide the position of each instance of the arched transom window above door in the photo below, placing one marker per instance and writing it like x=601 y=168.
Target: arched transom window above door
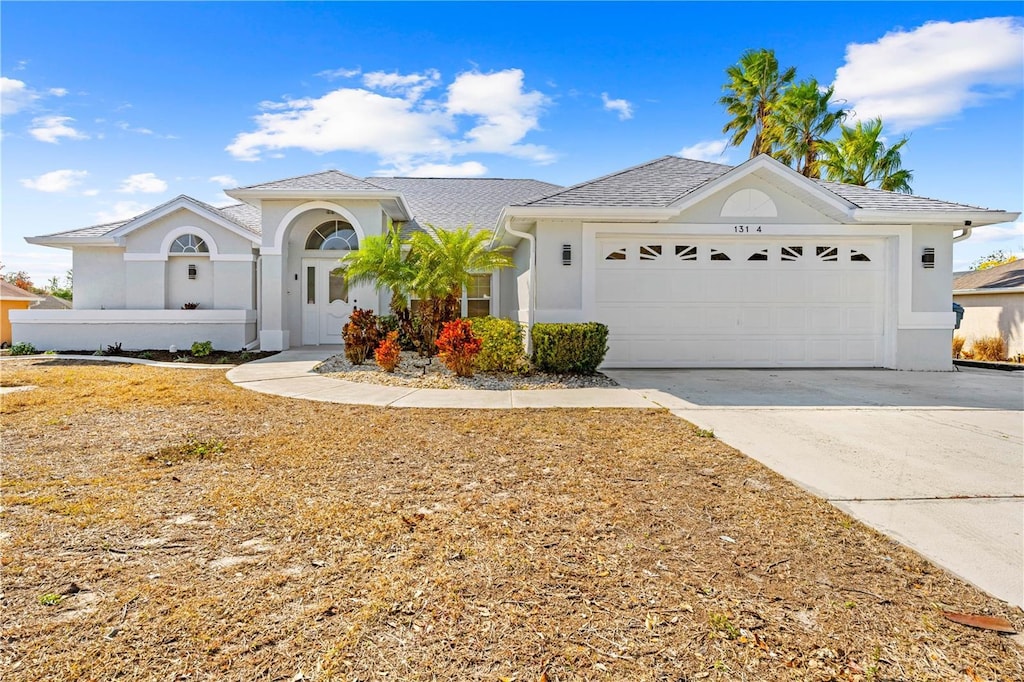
x=334 y=235
x=189 y=243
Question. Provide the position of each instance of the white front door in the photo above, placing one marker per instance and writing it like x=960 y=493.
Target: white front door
x=327 y=301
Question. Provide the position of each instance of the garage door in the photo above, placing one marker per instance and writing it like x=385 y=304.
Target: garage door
x=751 y=302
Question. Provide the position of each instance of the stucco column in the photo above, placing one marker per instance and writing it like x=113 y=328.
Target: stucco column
x=273 y=335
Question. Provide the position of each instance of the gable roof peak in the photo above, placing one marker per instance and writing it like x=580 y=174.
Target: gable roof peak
x=331 y=179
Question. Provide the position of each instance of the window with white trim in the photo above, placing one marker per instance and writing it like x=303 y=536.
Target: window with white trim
x=334 y=235
x=477 y=302
x=189 y=243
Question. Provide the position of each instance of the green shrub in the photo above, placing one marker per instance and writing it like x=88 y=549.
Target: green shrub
x=361 y=335
x=502 y=349
x=23 y=348
x=201 y=349
x=569 y=348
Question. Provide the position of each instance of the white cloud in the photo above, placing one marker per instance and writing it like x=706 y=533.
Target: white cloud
x=56 y=181
x=331 y=74
x=147 y=183
x=52 y=128
x=224 y=180
x=707 y=150
x=90 y=192
x=914 y=78
x=479 y=113
x=411 y=86
x=58 y=92
x=623 y=107
x=504 y=113
x=122 y=210
x=15 y=95
x=466 y=169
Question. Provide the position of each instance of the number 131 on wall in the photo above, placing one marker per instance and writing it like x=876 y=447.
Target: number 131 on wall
x=746 y=228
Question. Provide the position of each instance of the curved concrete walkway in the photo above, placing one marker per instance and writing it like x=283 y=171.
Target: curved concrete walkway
x=290 y=373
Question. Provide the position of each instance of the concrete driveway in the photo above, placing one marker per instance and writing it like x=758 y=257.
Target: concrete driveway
x=934 y=460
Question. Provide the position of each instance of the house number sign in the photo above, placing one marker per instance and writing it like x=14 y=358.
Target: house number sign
x=746 y=228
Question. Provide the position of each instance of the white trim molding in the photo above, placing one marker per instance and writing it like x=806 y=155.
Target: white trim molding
x=282 y=227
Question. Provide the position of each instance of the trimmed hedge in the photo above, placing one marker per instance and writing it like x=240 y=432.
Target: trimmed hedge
x=569 y=347
x=503 y=345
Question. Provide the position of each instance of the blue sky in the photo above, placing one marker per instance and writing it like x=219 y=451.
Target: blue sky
x=112 y=108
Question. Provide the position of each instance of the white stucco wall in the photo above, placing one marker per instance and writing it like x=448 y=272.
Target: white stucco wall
x=790 y=210
x=134 y=329
x=150 y=237
x=99 y=278
x=559 y=287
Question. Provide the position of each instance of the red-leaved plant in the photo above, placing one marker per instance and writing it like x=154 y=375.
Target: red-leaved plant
x=389 y=352
x=458 y=347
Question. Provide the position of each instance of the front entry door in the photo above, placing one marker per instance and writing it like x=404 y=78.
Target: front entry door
x=328 y=301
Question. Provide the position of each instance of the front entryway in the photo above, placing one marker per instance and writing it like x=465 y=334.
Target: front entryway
x=327 y=301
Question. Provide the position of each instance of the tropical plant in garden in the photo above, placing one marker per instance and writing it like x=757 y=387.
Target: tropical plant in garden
x=753 y=91
x=459 y=346
x=389 y=352
x=861 y=157
x=360 y=335
x=802 y=120
x=432 y=266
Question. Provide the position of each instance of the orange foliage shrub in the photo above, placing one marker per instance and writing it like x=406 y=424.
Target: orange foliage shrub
x=388 y=353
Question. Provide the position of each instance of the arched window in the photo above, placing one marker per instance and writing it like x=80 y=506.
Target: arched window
x=334 y=235
x=189 y=243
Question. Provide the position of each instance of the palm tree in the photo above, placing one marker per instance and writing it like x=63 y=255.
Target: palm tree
x=382 y=260
x=752 y=93
x=801 y=122
x=861 y=157
x=445 y=262
x=433 y=266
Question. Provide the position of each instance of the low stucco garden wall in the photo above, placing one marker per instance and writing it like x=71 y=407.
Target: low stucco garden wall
x=133 y=329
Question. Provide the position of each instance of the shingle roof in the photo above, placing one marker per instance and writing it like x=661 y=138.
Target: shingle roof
x=661 y=182
x=244 y=215
x=457 y=202
x=656 y=183
x=329 y=179
x=9 y=292
x=1000 y=277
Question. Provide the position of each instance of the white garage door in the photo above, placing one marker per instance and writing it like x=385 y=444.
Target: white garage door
x=748 y=302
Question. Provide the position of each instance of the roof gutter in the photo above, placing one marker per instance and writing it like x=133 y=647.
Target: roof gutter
x=531 y=302
x=957 y=218
x=396 y=200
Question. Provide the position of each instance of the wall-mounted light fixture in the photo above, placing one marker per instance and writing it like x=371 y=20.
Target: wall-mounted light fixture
x=192 y=271
x=566 y=254
x=928 y=258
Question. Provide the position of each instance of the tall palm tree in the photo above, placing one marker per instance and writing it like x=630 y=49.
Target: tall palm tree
x=861 y=157
x=802 y=120
x=445 y=262
x=752 y=93
x=383 y=261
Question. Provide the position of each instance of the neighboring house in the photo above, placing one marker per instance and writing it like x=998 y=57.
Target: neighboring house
x=993 y=301
x=689 y=263
x=12 y=298
x=50 y=302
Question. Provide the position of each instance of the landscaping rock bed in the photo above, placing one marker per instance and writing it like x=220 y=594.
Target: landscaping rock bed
x=416 y=372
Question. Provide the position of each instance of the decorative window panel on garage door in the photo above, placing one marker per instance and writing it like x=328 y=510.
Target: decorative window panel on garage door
x=750 y=302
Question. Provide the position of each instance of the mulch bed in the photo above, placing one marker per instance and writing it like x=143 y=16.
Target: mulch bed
x=216 y=357
x=159 y=524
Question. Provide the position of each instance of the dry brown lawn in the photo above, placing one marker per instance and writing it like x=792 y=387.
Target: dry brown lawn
x=163 y=524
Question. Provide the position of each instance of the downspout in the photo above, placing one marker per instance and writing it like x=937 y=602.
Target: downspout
x=532 y=298
x=259 y=307
x=965 y=234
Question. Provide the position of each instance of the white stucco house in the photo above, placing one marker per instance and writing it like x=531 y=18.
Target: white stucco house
x=689 y=263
